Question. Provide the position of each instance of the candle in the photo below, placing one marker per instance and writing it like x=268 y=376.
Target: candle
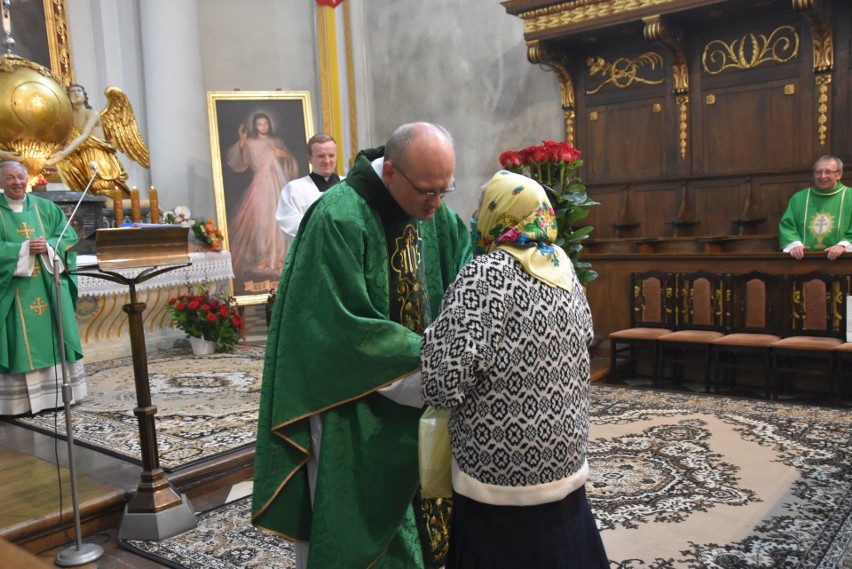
x=118 y=204
x=135 y=206
x=153 y=205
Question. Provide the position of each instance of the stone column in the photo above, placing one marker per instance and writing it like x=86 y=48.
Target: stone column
x=178 y=132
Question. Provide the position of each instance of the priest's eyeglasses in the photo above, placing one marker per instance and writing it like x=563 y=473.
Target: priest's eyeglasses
x=823 y=172
x=427 y=193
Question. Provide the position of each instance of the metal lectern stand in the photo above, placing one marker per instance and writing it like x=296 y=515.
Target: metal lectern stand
x=157 y=510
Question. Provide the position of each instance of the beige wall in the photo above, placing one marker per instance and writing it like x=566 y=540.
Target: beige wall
x=462 y=64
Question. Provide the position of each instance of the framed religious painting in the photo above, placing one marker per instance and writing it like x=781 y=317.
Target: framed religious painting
x=40 y=31
x=258 y=141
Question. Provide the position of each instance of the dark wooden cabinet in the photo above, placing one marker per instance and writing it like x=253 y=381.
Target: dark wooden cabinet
x=697 y=121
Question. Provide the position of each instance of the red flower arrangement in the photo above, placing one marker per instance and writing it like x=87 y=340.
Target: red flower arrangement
x=554 y=165
x=211 y=317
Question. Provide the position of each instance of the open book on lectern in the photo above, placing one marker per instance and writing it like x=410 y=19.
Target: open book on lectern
x=136 y=247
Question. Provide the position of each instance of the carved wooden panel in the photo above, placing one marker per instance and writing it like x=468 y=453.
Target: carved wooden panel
x=602 y=216
x=754 y=127
x=624 y=139
x=656 y=206
x=717 y=203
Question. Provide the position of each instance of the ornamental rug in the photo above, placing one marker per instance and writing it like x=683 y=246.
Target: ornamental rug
x=206 y=406
x=677 y=481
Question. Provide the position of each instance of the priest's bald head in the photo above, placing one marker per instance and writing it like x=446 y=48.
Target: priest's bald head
x=419 y=167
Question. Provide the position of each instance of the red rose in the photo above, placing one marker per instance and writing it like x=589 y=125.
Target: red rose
x=172 y=301
x=223 y=312
x=510 y=159
x=211 y=317
x=538 y=154
x=194 y=304
x=179 y=306
x=235 y=321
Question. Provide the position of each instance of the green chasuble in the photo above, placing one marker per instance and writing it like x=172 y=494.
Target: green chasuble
x=27 y=322
x=819 y=219
x=333 y=342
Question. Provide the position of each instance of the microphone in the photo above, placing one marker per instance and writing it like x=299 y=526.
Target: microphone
x=94 y=166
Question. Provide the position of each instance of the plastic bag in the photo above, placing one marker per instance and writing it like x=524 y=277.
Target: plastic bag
x=436 y=479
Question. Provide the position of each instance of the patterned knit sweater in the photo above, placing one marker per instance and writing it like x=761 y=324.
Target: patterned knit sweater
x=509 y=355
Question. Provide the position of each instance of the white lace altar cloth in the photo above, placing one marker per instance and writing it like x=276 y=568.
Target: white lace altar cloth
x=206 y=267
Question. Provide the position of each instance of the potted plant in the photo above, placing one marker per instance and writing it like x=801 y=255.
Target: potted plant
x=207 y=317
x=554 y=165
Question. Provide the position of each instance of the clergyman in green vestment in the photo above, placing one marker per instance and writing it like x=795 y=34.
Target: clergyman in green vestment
x=30 y=365
x=819 y=218
x=365 y=275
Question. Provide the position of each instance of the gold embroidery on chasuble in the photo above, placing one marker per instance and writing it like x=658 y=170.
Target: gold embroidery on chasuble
x=36 y=269
x=820 y=225
x=406 y=266
x=39 y=306
x=23 y=327
x=25 y=230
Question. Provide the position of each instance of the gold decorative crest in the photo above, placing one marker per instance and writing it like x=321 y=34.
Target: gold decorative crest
x=623 y=72
x=751 y=50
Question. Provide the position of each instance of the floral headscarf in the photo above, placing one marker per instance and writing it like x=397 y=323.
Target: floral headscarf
x=517 y=217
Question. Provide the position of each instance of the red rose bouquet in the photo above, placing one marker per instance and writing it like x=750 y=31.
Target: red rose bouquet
x=207 y=316
x=554 y=165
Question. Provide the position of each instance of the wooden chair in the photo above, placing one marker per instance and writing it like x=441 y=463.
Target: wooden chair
x=699 y=319
x=754 y=324
x=816 y=326
x=651 y=317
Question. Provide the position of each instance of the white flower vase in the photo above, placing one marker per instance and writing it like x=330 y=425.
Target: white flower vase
x=202 y=347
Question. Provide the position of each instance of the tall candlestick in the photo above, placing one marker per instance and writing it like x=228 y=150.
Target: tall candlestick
x=154 y=205
x=118 y=204
x=135 y=206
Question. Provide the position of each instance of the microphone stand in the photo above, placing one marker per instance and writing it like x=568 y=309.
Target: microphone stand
x=81 y=553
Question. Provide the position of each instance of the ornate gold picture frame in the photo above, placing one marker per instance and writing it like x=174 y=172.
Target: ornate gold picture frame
x=258 y=142
x=40 y=31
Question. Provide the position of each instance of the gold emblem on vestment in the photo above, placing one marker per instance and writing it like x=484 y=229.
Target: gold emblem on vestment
x=822 y=223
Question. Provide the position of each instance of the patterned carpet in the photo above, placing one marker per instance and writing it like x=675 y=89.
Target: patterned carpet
x=678 y=481
x=206 y=405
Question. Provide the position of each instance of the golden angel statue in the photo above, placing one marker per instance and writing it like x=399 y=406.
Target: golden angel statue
x=95 y=138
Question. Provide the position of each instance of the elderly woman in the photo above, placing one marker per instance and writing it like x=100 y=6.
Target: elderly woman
x=509 y=356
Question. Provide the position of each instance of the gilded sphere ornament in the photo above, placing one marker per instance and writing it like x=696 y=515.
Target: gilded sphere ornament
x=35 y=112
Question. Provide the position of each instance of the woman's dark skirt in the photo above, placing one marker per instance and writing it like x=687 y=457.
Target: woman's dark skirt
x=558 y=535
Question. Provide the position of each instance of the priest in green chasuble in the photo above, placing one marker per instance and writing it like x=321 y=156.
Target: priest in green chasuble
x=819 y=218
x=364 y=277
x=30 y=366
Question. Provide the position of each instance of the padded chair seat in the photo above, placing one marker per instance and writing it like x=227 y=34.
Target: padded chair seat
x=692 y=336
x=844 y=347
x=639 y=333
x=747 y=340
x=807 y=343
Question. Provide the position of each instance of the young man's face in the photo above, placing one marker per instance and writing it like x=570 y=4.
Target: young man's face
x=323 y=158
